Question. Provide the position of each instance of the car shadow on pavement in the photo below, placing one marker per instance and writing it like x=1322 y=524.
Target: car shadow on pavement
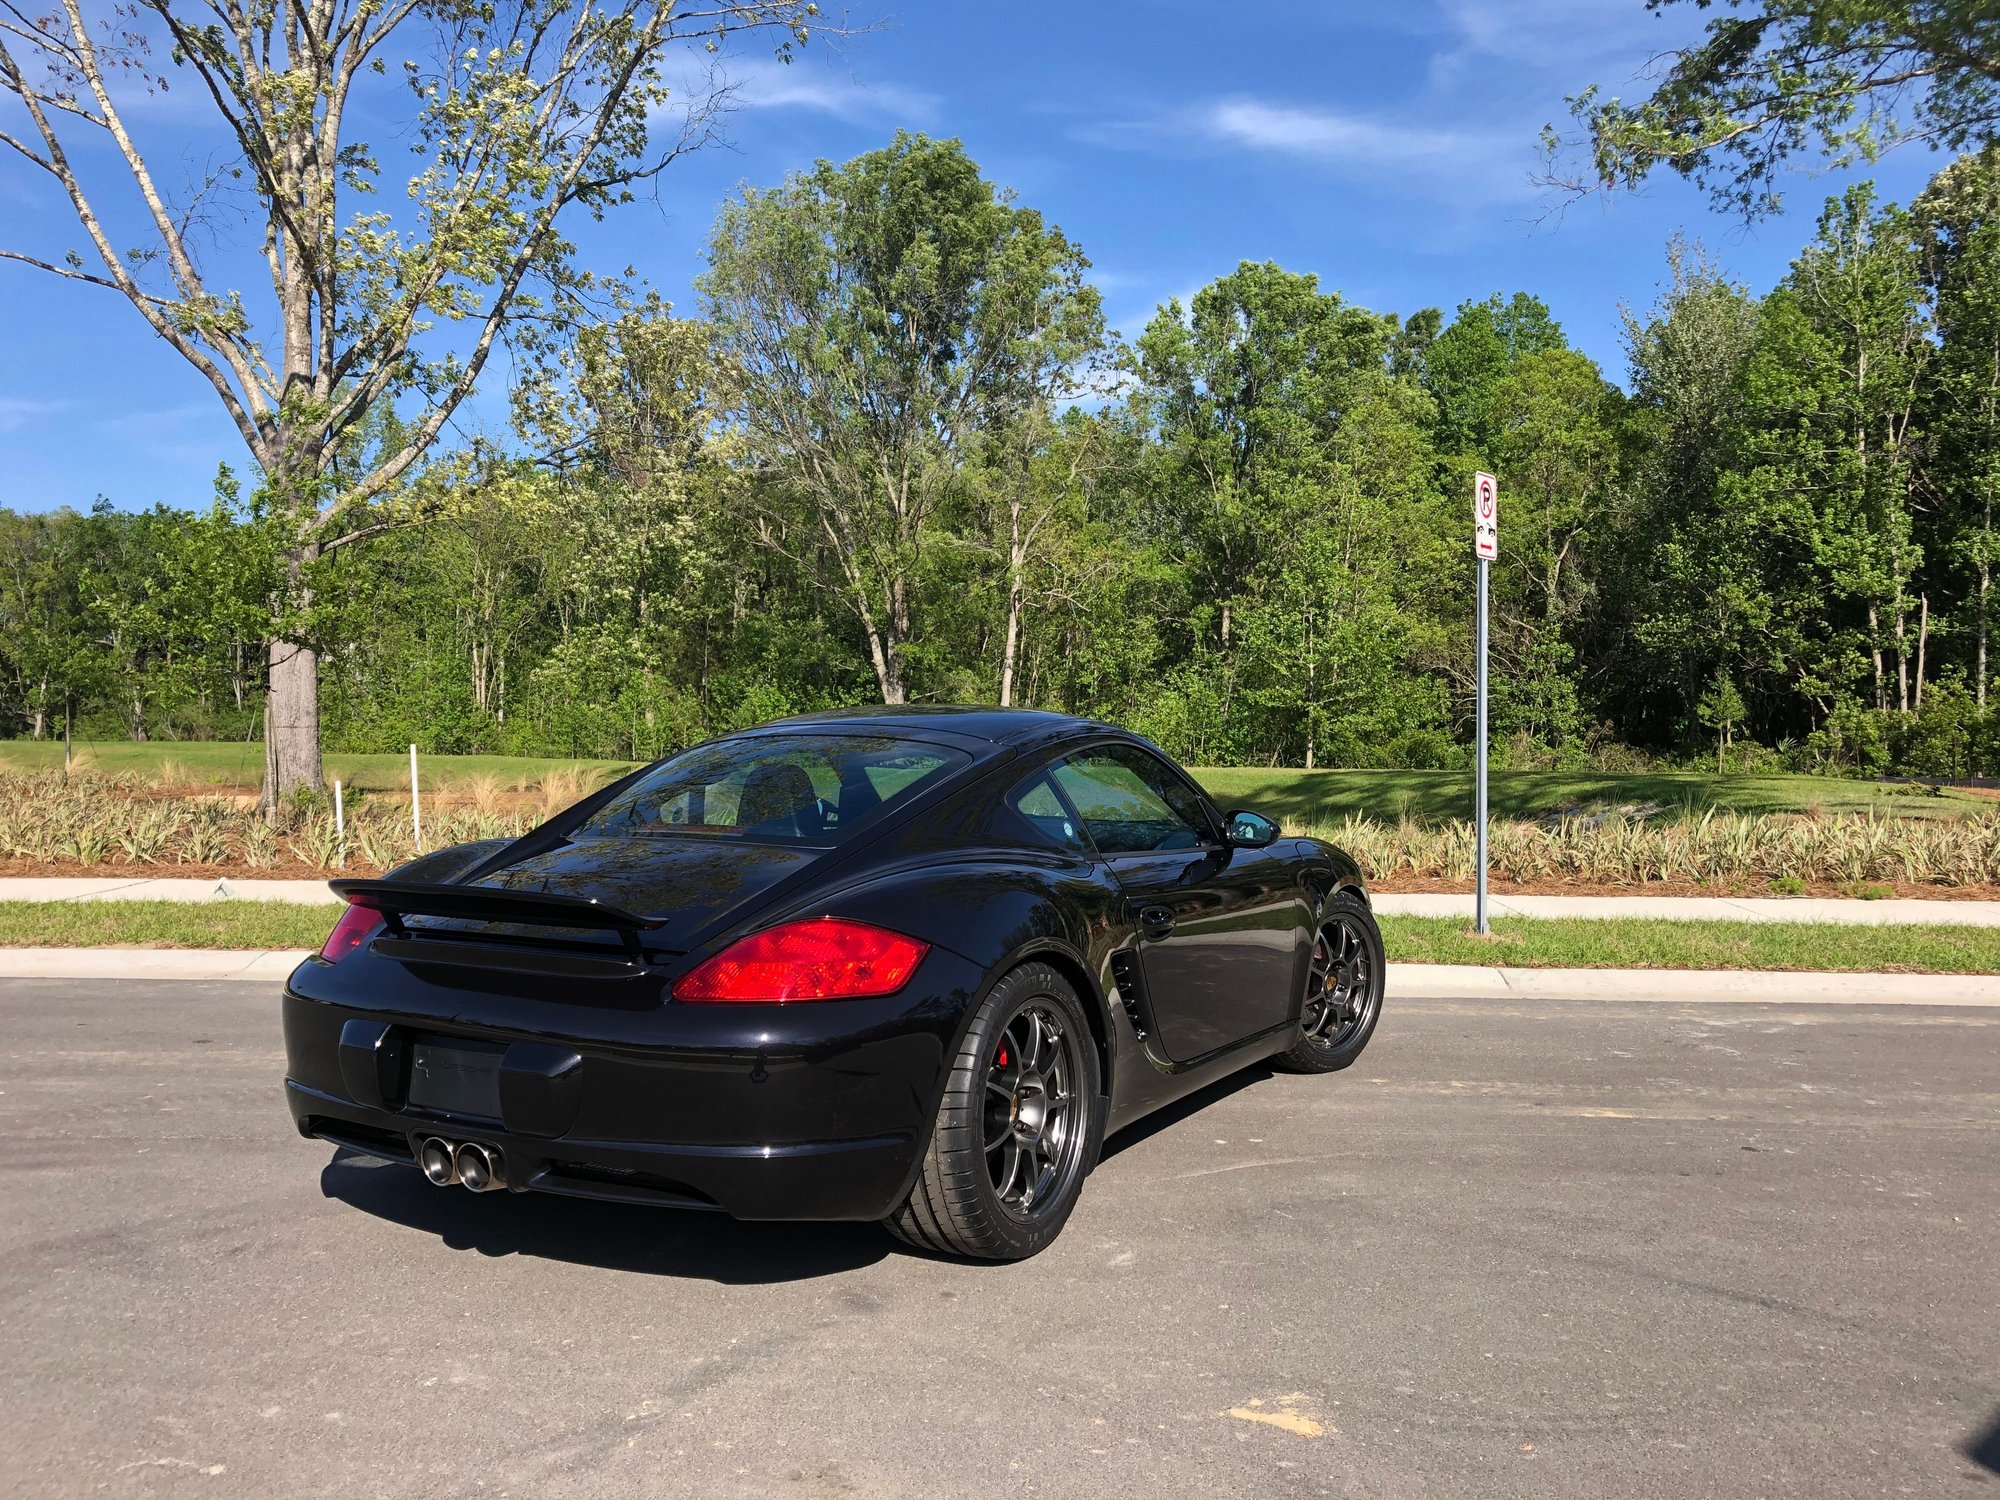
x=615 y=1236
x=1984 y=1449
x=1181 y=1109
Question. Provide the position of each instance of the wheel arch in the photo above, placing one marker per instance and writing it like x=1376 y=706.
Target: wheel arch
x=1096 y=1008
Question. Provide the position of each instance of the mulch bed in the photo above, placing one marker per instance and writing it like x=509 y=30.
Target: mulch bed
x=1422 y=885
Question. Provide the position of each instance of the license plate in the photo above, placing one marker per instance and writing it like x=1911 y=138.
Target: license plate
x=456 y=1078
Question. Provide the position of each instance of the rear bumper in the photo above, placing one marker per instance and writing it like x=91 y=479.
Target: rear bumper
x=815 y=1111
x=854 y=1179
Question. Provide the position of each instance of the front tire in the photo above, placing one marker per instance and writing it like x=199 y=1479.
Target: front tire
x=1017 y=1128
x=1343 y=999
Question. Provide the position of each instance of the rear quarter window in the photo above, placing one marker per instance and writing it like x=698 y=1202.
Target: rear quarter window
x=1033 y=813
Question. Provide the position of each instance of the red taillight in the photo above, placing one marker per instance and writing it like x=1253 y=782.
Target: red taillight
x=356 y=925
x=822 y=959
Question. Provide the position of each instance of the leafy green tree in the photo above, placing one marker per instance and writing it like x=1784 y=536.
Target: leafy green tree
x=1242 y=392
x=1464 y=366
x=887 y=317
x=1829 y=439
x=1721 y=709
x=519 y=115
x=46 y=648
x=1772 y=80
x=1958 y=224
x=1682 y=575
x=1291 y=480
x=1553 y=438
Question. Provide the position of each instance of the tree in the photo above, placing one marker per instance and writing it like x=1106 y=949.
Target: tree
x=522 y=112
x=1828 y=458
x=1551 y=434
x=887 y=317
x=1290 y=481
x=1465 y=364
x=1036 y=468
x=1775 y=79
x=45 y=646
x=1721 y=709
x=1958 y=220
x=1682 y=586
x=1241 y=392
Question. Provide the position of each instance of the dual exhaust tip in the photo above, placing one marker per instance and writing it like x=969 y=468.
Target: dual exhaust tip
x=478 y=1167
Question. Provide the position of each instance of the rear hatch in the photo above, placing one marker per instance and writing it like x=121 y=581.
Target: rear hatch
x=616 y=899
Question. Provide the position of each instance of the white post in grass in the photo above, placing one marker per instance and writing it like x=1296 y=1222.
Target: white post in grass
x=416 y=814
x=339 y=826
x=1485 y=547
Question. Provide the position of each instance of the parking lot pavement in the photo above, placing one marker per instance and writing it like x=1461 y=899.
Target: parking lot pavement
x=1549 y=1249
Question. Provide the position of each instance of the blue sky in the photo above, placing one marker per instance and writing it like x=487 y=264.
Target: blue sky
x=1387 y=147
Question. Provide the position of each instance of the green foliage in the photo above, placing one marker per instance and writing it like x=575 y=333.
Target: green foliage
x=890 y=319
x=1773 y=80
x=901 y=459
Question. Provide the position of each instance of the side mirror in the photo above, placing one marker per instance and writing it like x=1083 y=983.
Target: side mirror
x=1248 y=830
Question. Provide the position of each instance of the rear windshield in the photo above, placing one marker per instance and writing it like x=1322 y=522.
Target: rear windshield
x=804 y=788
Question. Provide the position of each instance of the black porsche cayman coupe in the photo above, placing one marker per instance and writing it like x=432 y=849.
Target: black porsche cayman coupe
x=900 y=964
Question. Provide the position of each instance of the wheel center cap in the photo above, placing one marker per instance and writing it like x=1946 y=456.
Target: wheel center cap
x=1030 y=1106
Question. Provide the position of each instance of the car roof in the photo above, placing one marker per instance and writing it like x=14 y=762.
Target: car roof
x=964 y=721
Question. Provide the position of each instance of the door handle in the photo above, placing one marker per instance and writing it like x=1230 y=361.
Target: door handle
x=1156 y=922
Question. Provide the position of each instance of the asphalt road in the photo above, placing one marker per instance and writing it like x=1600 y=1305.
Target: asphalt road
x=1549 y=1250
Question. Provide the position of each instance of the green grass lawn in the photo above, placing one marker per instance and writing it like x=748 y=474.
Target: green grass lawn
x=1520 y=941
x=1658 y=943
x=1300 y=799
x=164 y=924
x=1322 y=798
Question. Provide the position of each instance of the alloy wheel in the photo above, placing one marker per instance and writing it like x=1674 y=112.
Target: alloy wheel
x=1342 y=988
x=1033 y=1121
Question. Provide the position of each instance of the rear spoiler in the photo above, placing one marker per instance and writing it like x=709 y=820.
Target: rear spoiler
x=396 y=899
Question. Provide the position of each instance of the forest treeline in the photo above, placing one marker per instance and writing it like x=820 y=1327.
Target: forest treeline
x=896 y=453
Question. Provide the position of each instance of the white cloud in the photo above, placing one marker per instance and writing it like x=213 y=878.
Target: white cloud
x=770 y=84
x=17 y=412
x=1330 y=137
x=1556 y=47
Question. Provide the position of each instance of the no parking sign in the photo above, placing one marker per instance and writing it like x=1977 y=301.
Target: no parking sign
x=1485 y=516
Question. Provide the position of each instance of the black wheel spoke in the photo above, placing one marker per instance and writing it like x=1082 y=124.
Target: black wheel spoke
x=1340 y=987
x=1033 y=1131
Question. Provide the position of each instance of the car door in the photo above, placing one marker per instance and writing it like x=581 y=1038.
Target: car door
x=1221 y=930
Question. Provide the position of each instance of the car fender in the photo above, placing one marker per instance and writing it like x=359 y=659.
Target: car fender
x=996 y=909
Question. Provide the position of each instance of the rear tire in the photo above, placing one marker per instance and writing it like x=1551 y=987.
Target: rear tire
x=1017 y=1128
x=1343 y=998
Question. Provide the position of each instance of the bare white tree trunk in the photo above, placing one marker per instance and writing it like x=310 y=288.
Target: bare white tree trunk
x=1923 y=642
x=1017 y=558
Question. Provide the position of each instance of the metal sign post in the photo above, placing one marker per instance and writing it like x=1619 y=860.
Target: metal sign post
x=1485 y=547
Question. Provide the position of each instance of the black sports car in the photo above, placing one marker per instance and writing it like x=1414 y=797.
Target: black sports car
x=900 y=964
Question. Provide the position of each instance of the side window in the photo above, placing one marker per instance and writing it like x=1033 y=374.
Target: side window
x=1035 y=804
x=1130 y=802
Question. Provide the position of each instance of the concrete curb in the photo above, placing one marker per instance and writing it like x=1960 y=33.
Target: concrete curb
x=265 y=966
x=1703 y=986
x=1406 y=981
x=1705 y=909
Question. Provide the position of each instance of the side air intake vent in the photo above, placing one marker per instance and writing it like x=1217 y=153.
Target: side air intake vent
x=1131 y=997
